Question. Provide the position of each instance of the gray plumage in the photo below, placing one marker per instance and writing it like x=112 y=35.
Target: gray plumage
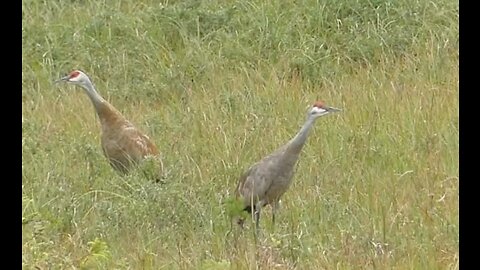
x=268 y=179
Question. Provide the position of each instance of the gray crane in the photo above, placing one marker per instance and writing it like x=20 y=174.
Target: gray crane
x=268 y=179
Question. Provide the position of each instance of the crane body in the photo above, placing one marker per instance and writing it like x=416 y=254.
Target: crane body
x=122 y=143
x=267 y=180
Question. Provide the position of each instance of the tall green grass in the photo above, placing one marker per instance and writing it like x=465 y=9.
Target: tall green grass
x=218 y=85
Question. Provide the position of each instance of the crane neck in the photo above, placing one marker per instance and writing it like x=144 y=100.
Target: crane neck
x=106 y=112
x=96 y=99
x=296 y=144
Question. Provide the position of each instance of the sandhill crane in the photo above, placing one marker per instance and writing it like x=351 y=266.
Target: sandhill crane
x=268 y=179
x=122 y=143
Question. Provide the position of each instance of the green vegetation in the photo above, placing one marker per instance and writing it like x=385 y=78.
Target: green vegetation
x=218 y=85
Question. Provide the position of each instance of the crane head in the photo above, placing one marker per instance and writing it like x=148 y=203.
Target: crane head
x=75 y=77
x=320 y=109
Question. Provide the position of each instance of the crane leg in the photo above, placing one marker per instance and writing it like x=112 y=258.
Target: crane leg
x=256 y=210
x=257 y=216
x=274 y=211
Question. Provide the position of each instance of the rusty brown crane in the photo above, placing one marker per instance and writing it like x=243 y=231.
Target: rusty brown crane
x=123 y=144
x=268 y=179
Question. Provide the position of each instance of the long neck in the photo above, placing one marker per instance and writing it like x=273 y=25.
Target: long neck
x=107 y=113
x=296 y=144
x=97 y=100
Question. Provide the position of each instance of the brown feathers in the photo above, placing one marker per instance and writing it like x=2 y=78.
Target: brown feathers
x=123 y=144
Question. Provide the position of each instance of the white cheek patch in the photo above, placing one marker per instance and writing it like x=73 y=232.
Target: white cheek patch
x=318 y=110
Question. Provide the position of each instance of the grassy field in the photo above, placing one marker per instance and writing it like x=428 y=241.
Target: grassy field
x=218 y=85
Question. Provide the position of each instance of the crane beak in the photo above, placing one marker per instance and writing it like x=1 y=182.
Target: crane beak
x=332 y=109
x=63 y=79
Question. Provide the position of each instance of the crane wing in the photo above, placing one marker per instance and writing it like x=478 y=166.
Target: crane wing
x=253 y=184
x=127 y=145
x=137 y=143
